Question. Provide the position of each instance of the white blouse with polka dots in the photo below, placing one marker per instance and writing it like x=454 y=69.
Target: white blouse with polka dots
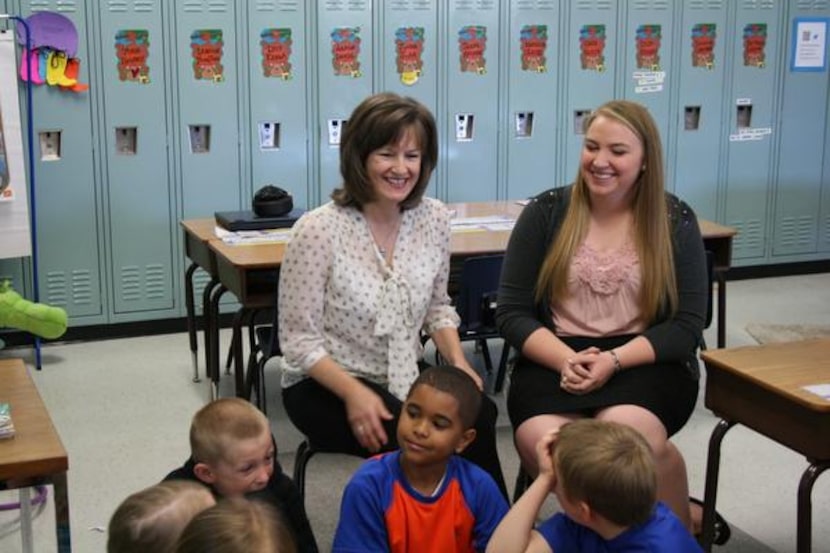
x=339 y=297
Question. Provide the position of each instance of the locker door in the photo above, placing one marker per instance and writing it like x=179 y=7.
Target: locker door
x=208 y=106
x=649 y=40
x=803 y=120
x=345 y=74
x=533 y=72
x=278 y=80
x=135 y=131
x=695 y=152
x=472 y=88
x=756 y=38
x=590 y=71
x=67 y=198
x=408 y=56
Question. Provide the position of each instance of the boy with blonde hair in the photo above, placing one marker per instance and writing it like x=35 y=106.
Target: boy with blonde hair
x=153 y=518
x=234 y=454
x=423 y=497
x=604 y=476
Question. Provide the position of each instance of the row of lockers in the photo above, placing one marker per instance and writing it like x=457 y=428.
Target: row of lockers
x=195 y=104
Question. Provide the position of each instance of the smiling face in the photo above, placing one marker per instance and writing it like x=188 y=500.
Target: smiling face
x=247 y=467
x=430 y=428
x=612 y=160
x=394 y=169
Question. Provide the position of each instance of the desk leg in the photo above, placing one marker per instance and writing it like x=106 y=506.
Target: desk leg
x=238 y=351
x=25 y=519
x=206 y=293
x=212 y=330
x=62 y=513
x=190 y=306
x=710 y=492
x=805 y=506
x=721 y=278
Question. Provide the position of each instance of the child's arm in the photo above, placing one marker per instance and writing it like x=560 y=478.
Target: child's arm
x=515 y=533
x=361 y=528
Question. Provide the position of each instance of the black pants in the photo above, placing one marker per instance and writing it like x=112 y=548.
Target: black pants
x=321 y=416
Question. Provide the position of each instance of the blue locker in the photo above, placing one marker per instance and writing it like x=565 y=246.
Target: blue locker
x=471 y=125
x=756 y=37
x=694 y=148
x=589 y=71
x=345 y=74
x=208 y=114
x=801 y=158
x=279 y=104
x=135 y=123
x=408 y=58
x=648 y=45
x=68 y=199
x=533 y=72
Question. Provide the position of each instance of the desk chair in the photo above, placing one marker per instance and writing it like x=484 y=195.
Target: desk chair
x=476 y=306
x=264 y=342
x=523 y=479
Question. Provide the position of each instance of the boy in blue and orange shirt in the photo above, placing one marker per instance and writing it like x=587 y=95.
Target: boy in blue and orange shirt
x=424 y=497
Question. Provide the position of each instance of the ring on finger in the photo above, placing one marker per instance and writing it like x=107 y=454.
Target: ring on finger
x=359 y=429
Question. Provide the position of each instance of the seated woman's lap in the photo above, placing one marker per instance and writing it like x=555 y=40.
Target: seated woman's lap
x=321 y=416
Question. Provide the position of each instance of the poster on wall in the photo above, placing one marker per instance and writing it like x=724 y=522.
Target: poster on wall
x=14 y=206
x=809 y=44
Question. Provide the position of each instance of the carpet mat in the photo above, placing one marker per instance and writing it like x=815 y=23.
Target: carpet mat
x=764 y=333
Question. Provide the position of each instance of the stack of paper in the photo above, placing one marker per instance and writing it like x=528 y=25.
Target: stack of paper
x=6 y=424
x=242 y=237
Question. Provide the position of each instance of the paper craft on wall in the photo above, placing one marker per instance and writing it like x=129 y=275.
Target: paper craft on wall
x=51 y=57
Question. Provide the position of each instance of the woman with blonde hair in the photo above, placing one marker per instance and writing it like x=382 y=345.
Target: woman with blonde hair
x=604 y=294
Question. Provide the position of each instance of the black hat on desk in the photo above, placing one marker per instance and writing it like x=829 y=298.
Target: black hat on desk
x=272 y=201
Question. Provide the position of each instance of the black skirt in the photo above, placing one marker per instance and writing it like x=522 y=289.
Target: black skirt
x=669 y=390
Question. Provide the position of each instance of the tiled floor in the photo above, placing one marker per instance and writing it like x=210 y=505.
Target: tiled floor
x=123 y=408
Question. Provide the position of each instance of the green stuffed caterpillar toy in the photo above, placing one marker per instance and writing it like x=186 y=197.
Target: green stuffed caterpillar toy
x=39 y=319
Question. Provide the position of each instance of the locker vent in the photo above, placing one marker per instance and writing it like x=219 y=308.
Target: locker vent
x=156 y=282
x=536 y=5
x=759 y=4
x=56 y=292
x=825 y=240
x=651 y=5
x=151 y=285
x=200 y=6
x=706 y=5
x=139 y=6
x=340 y=5
x=796 y=232
x=274 y=5
x=807 y=5
x=63 y=6
x=749 y=240
x=405 y=5
x=82 y=288
x=595 y=5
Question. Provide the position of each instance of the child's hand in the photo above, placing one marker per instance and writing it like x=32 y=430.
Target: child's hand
x=544 y=456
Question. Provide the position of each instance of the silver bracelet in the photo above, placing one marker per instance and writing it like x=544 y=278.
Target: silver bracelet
x=617 y=365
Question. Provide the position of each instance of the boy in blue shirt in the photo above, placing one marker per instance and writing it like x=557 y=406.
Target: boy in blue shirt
x=424 y=497
x=603 y=475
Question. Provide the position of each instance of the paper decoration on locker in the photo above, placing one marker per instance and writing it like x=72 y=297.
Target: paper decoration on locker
x=276 y=53
x=472 y=43
x=51 y=57
x=703 y=45
x=345 y=52
x=409 y=50
x=132 y=48
x=592 y=47
x=533 y=40
x=206 y=46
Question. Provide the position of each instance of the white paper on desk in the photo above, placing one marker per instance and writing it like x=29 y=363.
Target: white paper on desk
x=500 y=226
x=243 y=237
x=478 y=221
x=821 y=390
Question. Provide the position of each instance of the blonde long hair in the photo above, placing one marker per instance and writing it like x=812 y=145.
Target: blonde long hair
x=652 y=233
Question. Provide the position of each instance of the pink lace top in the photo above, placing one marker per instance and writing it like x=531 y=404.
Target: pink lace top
x=603 y=288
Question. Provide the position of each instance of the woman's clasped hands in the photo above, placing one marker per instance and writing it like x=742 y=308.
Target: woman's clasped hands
x=586 y=371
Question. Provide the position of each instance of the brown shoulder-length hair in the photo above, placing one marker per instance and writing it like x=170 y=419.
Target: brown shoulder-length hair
x=652 y=231
x=378 y=121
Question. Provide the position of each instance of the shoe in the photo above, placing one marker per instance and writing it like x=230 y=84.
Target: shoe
x=722 y=530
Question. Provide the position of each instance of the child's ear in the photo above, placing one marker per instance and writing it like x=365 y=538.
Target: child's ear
x=204 y=473
x=466 y=439
x=586 y=515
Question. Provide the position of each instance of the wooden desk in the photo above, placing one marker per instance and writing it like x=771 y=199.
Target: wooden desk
x=246 y=270
x=35 y=455
x=761 y=387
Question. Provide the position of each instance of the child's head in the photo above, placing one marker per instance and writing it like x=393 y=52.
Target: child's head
x=237 y=526
x=152 y=519
x=231 y=444
x=438 y=415
x=608 y=466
